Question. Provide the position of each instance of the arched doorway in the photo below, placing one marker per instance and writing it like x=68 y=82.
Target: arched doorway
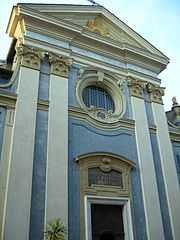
x=107 y=176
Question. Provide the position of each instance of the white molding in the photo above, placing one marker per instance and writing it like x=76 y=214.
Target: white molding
x=123 y=201
x=41 y=14
x=97 y=54
x=89 y=58
x=71 y=30
x=57 y=151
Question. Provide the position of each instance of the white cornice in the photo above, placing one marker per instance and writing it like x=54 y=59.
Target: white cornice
x=69 y=8
x=77 y=40
x=83 y=59
x=69 y=42
x=53 y=20
x=41 y=15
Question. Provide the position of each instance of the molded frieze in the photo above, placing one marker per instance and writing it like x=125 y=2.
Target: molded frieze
x=59 y=65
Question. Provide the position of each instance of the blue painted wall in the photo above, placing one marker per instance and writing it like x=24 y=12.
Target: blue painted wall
x=40 y=158
x=84 y=138
x=137 y=206
x=39 y=177
x=5 y=79
x=148 y=107
x=161 y=188
x=44 y=77
x=73 y=75
x=176 y=149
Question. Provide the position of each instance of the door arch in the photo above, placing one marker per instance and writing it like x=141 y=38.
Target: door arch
x=102 y=174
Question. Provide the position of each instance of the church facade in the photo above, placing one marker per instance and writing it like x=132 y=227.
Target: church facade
x=83 y=132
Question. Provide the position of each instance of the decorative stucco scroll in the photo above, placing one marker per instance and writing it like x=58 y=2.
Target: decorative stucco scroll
x=59 y=65
x=155 y=92
x=29 y=57
x=137 y=88
x=96 y=25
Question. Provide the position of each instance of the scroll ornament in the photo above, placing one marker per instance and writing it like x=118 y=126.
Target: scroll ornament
x=29 y=57
x=156 y=92
x=59 y=65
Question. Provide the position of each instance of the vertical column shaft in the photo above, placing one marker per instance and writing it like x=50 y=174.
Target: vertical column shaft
x=18 y=206
x=145 y=158
x=57 y=153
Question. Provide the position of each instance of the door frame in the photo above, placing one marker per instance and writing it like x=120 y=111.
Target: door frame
x=123 y=201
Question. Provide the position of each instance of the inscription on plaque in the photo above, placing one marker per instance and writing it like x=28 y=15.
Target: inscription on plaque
x=98 y=177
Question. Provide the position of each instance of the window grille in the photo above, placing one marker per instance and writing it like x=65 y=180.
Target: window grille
x=98 y=177
x=97 y=97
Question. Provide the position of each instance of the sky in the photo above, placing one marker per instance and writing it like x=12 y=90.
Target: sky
x=158 y=21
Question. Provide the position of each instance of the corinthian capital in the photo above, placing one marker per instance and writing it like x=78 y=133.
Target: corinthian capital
x=136 y=87
x=156 y=92
x=59 y=65
x=29 y=57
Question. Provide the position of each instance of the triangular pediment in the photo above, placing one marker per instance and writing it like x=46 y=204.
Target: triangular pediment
x=99 y=21
x=99 y=24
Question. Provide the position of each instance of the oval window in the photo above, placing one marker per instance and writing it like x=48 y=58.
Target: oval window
x=97 y=97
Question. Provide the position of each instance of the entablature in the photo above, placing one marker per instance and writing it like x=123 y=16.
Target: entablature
x=87 y=57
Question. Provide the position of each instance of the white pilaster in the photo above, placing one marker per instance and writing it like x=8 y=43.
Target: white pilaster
x=168 y=168
x=152 y=210
x=22 y=149
x=57 y=153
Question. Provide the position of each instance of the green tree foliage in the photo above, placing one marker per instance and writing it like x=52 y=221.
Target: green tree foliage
x=55 y=230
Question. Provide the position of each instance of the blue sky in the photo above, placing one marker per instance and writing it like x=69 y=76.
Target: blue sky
x=158 y=21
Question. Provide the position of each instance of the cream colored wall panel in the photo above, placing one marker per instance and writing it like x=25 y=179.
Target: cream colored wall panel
x=21 y=168
x=57 y=154
x=168 y=168
x=147 y=172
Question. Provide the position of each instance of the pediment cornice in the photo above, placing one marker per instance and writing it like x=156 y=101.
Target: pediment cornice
x=39 y=14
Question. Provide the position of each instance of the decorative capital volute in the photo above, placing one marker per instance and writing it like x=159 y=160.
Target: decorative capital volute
x=29 y=57
x=59 y=65
x=136 y=87
x=155 y=92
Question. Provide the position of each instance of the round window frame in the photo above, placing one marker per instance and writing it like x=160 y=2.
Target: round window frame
x=109 y=84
